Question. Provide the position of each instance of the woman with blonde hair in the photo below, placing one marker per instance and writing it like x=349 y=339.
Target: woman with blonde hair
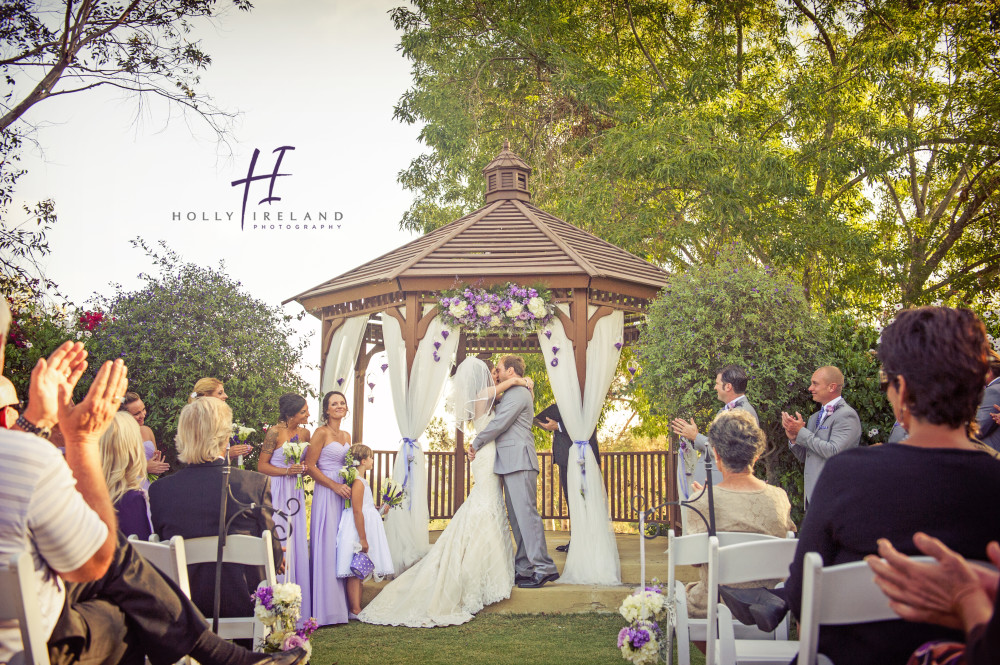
x=123 y=461
x=186 y=504
x=211 y=387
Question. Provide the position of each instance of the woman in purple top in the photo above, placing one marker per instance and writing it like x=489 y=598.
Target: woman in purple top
x=123 y=461
x=324 y=460
x=135 y=407
x=285 y=474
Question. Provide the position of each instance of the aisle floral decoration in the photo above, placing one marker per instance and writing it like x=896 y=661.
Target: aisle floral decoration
x=510 y=309
x=640 y=641
x=293 y=451
x=278 y=607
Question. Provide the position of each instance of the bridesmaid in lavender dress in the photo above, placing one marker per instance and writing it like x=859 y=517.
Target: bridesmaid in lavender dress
x=134 y=406
x=324 y=461
x=293 y=413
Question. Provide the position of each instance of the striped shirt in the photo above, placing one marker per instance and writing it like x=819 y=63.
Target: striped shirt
x=42 y=513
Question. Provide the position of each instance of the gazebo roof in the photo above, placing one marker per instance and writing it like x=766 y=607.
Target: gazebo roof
x=506 y=240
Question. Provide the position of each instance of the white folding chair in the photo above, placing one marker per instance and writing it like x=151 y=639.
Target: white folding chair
x=248 y=550
x=688 y=551
x=736 y=564
x=837 y=595
x=169 y=558
x=19 y=600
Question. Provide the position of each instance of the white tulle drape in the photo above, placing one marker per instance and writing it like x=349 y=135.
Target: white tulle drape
x=596 y=562
x=338 y=370
x=414 y=399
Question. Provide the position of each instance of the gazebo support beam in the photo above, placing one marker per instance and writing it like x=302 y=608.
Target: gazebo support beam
x=458 y=477
x=578 y=313
x=360 y=367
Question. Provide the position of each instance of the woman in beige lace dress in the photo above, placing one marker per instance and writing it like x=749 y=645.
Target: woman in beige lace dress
x=743 y=502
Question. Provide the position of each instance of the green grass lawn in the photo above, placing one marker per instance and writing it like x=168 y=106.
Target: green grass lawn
x=490 y=639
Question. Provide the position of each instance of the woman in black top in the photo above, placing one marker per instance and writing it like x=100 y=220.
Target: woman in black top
x=936 y=481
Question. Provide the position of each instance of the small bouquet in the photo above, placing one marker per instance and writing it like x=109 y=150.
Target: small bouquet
x=640 y=641
x=393 y=494
x=278 y=608
x=293 y=451
x=349 y=473
x=239 y=437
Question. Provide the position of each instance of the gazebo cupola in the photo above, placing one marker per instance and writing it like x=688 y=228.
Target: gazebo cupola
x=507 y=177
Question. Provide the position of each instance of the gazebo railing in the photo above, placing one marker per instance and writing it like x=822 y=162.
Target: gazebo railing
x=650 y=473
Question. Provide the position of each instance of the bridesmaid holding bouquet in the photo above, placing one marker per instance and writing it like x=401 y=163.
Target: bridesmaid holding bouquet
x=281 y=457
x=324 y=460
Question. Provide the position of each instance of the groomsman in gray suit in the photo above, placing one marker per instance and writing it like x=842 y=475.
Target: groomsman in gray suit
x=831 y=430
x=517 y=465
x=730 y=388
x=989 y=431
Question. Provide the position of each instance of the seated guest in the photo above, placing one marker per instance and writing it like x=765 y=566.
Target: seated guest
x=99 y=600
x=949 y=593
x=989 y=430
x=123 y=461
x=187 y=504
x=935 y=481
x=743 y=502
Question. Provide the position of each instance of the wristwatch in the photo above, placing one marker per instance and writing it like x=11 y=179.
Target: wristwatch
x=32 y=428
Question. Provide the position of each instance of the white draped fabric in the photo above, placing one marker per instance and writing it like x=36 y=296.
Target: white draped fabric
x=597 y=561
x=414 y=399
x=338 y=371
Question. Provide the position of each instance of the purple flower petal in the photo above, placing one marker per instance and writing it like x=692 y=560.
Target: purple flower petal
x=548 y=334
x=340 y=382
x=555 y=350
x=444 y=333
x=555 y=362
x=371 y=384
x=437 y=345
x=618 y=345
x=385 y=366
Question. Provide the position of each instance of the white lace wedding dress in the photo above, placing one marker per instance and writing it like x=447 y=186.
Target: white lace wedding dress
x=469 y=567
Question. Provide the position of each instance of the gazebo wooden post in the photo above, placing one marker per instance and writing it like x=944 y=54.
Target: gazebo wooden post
x=458 y=477
x=358 y=409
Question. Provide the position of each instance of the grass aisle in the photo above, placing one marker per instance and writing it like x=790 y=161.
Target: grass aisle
x=491 y=639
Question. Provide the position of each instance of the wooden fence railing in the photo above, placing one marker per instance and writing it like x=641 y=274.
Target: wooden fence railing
x=626 y=474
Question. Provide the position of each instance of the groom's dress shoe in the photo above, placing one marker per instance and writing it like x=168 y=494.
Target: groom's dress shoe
x=562 y=548
x=538 y=580
x=518 y=579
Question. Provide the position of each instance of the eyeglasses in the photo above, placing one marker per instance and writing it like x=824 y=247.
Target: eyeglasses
x=884 y=379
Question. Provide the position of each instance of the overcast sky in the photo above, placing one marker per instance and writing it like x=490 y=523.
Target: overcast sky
x=319 y=75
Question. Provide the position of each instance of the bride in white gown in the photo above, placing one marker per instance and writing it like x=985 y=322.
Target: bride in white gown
x=472 y=563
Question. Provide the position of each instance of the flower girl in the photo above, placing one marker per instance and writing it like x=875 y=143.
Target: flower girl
x=361 y=530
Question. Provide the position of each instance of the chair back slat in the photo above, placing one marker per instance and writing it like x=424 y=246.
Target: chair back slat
x=168 y=557
x=248 y=550
x=19 y=600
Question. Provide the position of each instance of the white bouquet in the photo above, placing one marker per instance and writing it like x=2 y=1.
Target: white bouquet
x=293 y=451
x=240 y=435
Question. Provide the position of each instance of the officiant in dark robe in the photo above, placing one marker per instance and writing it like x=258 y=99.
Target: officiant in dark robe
x=550 y=420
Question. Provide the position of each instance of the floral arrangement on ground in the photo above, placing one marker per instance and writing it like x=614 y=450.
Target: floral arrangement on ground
x=278 y=608
x=640 y=642
x=508 y=309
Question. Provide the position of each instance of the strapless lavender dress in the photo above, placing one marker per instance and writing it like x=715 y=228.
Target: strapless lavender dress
x=329 y=601
x=297 y=564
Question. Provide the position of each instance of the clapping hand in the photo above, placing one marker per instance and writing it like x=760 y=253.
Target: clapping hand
x=156 y=464
x=951 y=593
x=86 y=421
x=684 y=428
x=996 y=414
x=792 y=425
x=50 y=378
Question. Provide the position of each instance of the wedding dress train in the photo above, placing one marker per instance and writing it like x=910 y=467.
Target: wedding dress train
x=469 y=567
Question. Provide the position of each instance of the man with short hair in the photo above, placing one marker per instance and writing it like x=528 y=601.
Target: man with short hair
x=730 y=388
x=100 y=601
x=517 y=465
x=989 y=431
x=831 y=430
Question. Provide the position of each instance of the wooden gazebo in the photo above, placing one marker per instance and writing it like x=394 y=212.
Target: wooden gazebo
x=507 y=240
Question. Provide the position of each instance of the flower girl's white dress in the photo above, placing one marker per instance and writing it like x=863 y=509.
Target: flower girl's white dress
x=470 y=566
x=347 y=538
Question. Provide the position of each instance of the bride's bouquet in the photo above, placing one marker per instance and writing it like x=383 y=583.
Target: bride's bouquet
x=294 y=450
x=349 y=473
x=392 y=495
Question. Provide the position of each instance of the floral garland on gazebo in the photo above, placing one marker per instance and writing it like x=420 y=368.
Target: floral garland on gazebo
x=508 y=309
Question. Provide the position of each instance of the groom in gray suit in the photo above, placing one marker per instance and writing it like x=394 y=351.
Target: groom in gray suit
x=517 y=465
